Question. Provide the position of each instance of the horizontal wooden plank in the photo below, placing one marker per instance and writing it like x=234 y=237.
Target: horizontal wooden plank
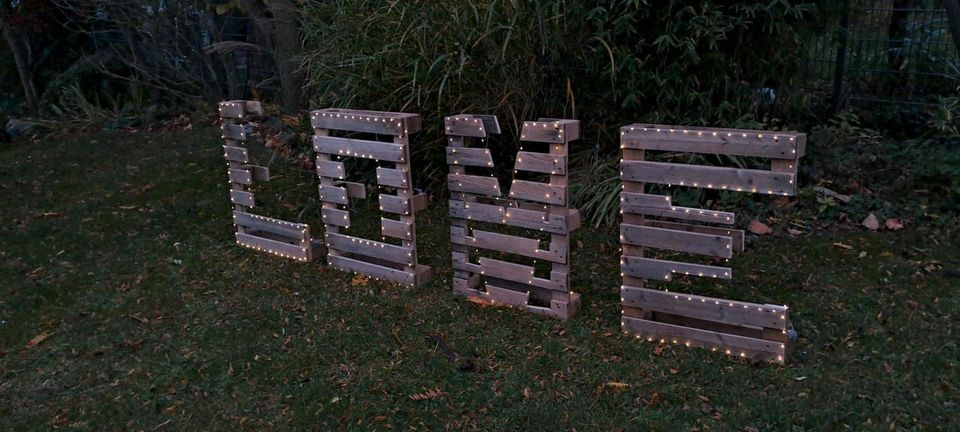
x=633 y=199
x=259 y=173
x=240 y=176
x=275 y=247
x=377 y=150
x=420 y=202
x=649 y=268
x=538 y=192
x=546 y=132
x=394 y=204
x=552 y=223
x=517 y=273
x=331 y=216
x=334 y=194
x=242 y=198
x=369 y=248
x=736 y=235
x=354 y=190
x=528 y=247
x=767 y=144
x=377 y=122
x=758 y=181
x=541 y=163
x=682 y=241
x=481 y=185
x=735 y=345
x=685 y=213
x=469 y=157
x=391 y=177
x=295 y=231
x=237 y=109
x=233 y=132
x=506 y=296
x=395 y=229
x=464 y=126
x=370 y=269
x=235 y=154
x=331 y=169
x=707 y=308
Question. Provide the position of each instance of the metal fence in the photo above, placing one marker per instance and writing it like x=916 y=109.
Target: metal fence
x=883 y=51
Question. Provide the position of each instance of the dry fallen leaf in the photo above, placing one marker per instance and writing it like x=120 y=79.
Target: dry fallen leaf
x=37 y=339
x=526 y=393
x=871 y=222
x=673 y=371
x=759 y=228
x=359 y=280
x=843 y=246
x=893 y=224
x=429 y=394
x=794 y=232
x=617 y=385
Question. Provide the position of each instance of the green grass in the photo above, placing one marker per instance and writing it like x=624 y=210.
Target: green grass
x=92 y=230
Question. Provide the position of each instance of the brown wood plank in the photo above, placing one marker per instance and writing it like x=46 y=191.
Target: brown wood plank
x=682 y=241
x=420 y=202
x=464 y=126
x=480 y=185
x=649 y=268
x=331 y=169
x=735 y=234
x=259 y=173
x=231 y=109
x=372 y=270
x=707 y=308
x=395 y=229
x=538 y=192
x=520 y=218
x=394 y=204
x=541 y=163
x=685 y=213
x=522 y=246
x=235 y=154
x=337 y=217
x=734 y=345
x=369 y=248
x=758 y=181
x=546 y=132
x=767 y=144
x=516 y=273
x=242 y=198
x=391 y=177
x=377 y=122
x=377 y=150
x=354 y=190
x=240 y=176
x=292 y=230
x=469 y=157
x=334 y=194
x=634 y=199
x=263 y=244
x=233 y=132
x=506 y=296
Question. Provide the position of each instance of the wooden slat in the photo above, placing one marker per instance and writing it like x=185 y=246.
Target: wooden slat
x=394 y=204
x=730 y=344
x=682 y=241
x=377 y=150
x=634 y=199
x=240 y=176
x=781 y=145
x=541 y=163
x=331 y=169
x=391 y=177
x=336 y=217
x=547 y=132
x=420 y=202
x=334 y=194
x=237 y=109
x=369 y=248
x=649 y=268
x=259 y=173
x=276 y=226
x=480 y=185
x=233 y=132
x=242 y=198
x=506 y=296
x=685 y=213
x=520 y=218
x=373 y=270
x=735 y=234
x=395 y=229
x=709 y=177
x=469 y=157
x=354 y=190
x=522 y=246
x=707 y=308
x=464 y=126
x=378 y=122
x=516 y=273
x=235 y=154
x=538 y=192
x=272 y=246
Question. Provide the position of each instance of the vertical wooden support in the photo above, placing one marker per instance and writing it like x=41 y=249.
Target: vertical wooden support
x=286 y=239
x=376 y=259
x=529 y=204
x=757 y=331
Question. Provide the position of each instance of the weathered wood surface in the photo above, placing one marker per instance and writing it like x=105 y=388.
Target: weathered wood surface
x=259 y=173
x=685 y=213
x=707 y=308
x=469 y=157
x=538 y=192
x=332 y=216
x=736 y=235
x=372 y=270
x=240 y=176
x=520 y=218
x=757 y=181
x=555 y=132
x=391 y=177
x=781 y=145
x=394 y=204
x=480 y=185
x=517 y=273
x=369 y=248
x=275 y=247
x=395 y=229
x=237 y=109
x=523 y=246
x=541 y=163
x=377 y=150
x=242 y=198
x=334 y=194
x=377 y=122
x=332 y=169
x=758 y=349
x=235 y=154
x=649 y=268
x=683 y=241
x=276 y=226
x=506 y=296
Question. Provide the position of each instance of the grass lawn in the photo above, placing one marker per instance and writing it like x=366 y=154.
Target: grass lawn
x=118 y=248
